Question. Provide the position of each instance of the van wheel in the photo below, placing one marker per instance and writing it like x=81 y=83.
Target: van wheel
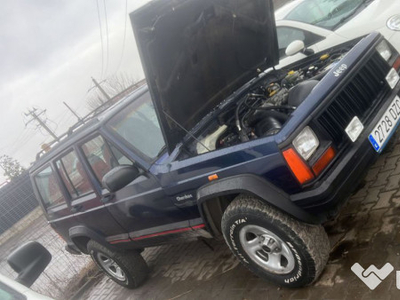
x=272 y=244
x=127 y=269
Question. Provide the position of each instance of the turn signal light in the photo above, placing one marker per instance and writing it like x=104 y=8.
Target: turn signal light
x=396 y=64
x=212 y=177
x=298 y=166
x=324 y=161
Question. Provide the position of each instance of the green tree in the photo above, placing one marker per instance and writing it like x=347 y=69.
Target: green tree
x=11 y=167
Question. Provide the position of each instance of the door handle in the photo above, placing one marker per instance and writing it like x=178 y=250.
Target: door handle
x=76 y=208
x=107 y=198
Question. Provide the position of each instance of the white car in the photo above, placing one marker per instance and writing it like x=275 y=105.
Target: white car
x=321 y=24
x=10 y=290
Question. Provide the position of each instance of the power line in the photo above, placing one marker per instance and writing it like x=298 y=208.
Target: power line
x=23 y=135
x=75 y=114
x=36 y=116
x=123 y=42
x=108 y=48
x=101 y=89
x=101 y=39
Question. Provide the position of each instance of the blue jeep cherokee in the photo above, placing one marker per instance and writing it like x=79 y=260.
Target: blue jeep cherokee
x=222 y=144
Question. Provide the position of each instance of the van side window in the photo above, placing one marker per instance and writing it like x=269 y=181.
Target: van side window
x=73 y=175
x=101 y=157
x=48 y=188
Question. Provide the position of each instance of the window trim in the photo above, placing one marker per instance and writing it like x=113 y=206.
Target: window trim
x=87 y=140
x=58 y=157
x=108 y=141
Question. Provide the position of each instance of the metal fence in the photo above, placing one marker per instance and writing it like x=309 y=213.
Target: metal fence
x=61 y=278
x=16 y=201
x=21 y=221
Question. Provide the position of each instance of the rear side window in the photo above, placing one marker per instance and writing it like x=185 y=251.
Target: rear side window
x=48 y=187
x=101 y=157
x=74 y=175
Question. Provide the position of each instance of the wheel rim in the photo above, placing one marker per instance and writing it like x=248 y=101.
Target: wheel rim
x=111 y=267
x=266 y=249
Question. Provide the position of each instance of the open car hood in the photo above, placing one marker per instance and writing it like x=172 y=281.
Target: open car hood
x=195 y=53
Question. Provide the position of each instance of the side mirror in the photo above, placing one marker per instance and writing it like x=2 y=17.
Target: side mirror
x=29 y=261
x=295 y=47
x=120 y=177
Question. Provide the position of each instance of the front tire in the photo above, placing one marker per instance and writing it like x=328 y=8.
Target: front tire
x=127 y=269
x=272 y=244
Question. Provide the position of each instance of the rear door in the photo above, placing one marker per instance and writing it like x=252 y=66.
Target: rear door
x=84 y=195
x=48 y=188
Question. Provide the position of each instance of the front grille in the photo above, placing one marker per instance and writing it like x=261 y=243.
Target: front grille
x=358 y=98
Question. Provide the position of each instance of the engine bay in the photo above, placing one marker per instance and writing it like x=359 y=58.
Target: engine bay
x=264 y=110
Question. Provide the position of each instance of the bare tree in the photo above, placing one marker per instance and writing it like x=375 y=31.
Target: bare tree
x=118 y=83
x=95 y=101
x=11 y=167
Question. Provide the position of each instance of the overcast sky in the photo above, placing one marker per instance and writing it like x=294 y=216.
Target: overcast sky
x=49 y=50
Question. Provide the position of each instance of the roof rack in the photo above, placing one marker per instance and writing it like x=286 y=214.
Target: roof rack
x=90 y=116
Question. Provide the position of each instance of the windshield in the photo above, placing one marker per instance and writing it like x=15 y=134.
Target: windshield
x=325 y=13
x=138 y=125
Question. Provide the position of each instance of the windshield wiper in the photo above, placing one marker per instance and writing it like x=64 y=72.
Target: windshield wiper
x=353 y=12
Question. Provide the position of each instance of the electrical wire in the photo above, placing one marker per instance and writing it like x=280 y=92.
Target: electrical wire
x=107 y=40
x=101 y=39
x=123 y=41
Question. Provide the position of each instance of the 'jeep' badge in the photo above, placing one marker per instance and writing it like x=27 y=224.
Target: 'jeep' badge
x=340 y=70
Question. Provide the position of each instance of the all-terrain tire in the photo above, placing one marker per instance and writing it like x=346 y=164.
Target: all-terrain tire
x=133 y=268
x=306 y=246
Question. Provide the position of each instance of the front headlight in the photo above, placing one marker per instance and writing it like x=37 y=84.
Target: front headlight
x=394 y=23
x=306 y=143
x=384 y=50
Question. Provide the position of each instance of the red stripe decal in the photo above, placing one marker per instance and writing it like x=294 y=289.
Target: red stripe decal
x=120 y=241
x=168 y=232
x=199 y=226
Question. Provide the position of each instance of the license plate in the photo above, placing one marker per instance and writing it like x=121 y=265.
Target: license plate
x=386 y=126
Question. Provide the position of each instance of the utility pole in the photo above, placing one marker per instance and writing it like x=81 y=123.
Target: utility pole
x=75 y=114
x=101 y=89
x=36 y=117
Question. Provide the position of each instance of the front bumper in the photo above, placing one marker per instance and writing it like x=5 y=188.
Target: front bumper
x=346 y=175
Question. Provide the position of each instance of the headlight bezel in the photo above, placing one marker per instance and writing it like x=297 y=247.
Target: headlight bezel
x=300 y=143
x=384 y=50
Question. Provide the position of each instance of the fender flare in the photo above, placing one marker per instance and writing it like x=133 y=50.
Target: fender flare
x=82 y=231
x=258 y=187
